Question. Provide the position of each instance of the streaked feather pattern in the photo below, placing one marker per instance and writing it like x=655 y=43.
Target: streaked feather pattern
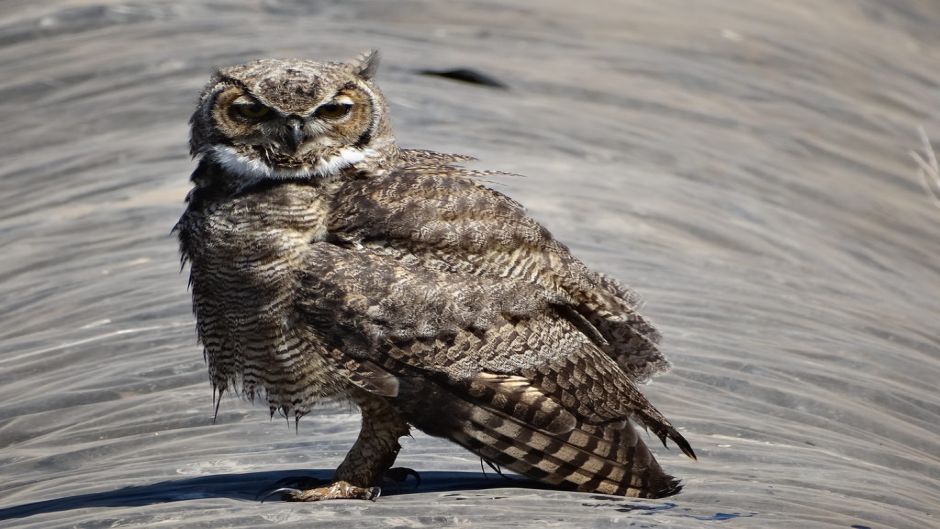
x=402 y=283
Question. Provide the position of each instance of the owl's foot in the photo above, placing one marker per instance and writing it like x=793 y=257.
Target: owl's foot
x=401 y=475
x=338 y=490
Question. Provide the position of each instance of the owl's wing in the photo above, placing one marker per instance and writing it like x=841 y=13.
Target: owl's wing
x=443 y=218
x=491 y=364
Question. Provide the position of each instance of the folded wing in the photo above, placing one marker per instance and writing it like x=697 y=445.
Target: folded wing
x=444 y=219
x=497 y=365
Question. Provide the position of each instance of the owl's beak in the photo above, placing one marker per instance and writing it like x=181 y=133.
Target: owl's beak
x=296 y=134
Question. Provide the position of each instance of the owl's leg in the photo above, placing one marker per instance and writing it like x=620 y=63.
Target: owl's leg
x=373 y=454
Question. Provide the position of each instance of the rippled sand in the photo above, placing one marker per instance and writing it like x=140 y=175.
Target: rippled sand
x=744 y=165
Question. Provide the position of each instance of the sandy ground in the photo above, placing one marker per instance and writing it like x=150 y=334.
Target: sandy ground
x=744 y=165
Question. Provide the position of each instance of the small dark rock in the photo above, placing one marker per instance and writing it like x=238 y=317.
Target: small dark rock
x=466 y=75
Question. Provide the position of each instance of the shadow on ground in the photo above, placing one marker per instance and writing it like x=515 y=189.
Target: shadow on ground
x=251 y=486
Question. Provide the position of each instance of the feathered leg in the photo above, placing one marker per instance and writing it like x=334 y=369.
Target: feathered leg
x=373 y=454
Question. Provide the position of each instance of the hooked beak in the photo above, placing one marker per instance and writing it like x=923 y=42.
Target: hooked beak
x=295 y=134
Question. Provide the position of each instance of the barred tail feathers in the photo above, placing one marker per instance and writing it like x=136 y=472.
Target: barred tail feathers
x=603 y=460
x=565 y=452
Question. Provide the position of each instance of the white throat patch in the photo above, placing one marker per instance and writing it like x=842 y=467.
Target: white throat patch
x=248 y=171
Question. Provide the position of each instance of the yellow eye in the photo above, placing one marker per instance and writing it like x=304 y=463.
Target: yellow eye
x=333 y=110
x=251 y=111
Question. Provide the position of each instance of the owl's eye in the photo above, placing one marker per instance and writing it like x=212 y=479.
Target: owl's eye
x=333 y=110
x=251 y=111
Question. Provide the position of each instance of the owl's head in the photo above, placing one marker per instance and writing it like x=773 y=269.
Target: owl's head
x=276 y=119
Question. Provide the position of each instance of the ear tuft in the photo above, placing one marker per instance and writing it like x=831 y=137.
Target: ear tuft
x=366 y=64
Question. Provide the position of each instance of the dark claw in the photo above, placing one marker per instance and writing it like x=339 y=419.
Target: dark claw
x=374 y=492
x=291 y=484
x=400 y=475
x=285 y=493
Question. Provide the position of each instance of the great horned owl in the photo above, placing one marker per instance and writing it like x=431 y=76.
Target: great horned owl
x=326 y=262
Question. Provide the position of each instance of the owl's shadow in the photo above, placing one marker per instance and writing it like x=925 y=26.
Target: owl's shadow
x=251 y=486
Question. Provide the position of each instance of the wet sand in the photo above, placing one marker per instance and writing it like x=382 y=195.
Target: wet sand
x=743 y=165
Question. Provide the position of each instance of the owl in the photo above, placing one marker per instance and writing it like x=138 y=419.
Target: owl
x=328 y=263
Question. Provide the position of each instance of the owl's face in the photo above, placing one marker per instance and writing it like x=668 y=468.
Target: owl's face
x=291 y=119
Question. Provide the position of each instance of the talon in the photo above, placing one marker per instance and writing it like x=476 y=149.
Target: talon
x=283 y=491
x=400 y=475
x=292 y=484
x=374 y=493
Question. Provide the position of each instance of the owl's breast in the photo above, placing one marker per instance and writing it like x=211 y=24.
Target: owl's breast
x=254 y=240
x=246 y=256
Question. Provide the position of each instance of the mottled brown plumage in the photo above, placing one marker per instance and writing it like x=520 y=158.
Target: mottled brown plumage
x=328 y=263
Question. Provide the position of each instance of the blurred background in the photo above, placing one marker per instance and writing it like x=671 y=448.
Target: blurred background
x=744 y=165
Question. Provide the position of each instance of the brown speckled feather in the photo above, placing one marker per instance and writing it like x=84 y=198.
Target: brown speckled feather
x=441 y=216
x=328 y=263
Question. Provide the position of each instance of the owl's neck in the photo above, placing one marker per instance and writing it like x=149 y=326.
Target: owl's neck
x=223 y=170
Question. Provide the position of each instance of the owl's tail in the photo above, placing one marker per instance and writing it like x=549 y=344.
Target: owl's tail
x=550 y=445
